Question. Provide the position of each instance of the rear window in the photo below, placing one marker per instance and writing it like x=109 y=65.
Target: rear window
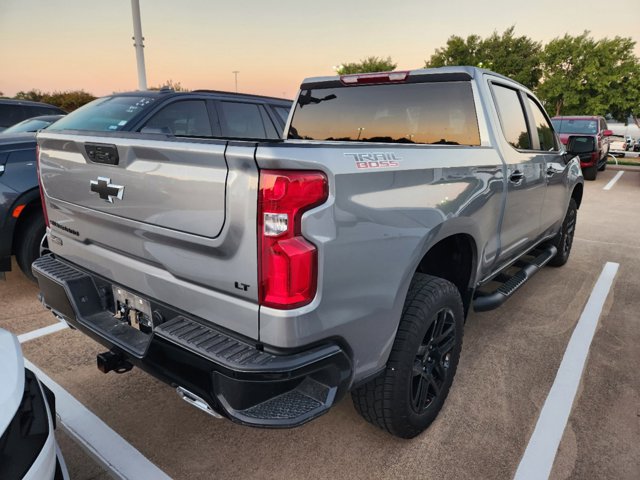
x=424 y=113
x=105 y=114
x=572 y=125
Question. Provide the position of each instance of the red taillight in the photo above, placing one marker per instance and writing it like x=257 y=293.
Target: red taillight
x=288 y=262
x=44 y=205
x=382 y=77
x=595 y=156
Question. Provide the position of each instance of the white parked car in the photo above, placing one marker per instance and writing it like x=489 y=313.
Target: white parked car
x=28 y=448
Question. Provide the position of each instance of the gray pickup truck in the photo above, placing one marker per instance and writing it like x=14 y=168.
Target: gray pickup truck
x=265 y=279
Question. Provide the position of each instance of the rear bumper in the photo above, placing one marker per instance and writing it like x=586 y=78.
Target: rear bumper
x=587 y=160
x=248 y=383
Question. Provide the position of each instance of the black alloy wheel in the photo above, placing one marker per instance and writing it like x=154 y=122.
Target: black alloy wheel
x=433 y=361
x=563 y=241
x=406 y=397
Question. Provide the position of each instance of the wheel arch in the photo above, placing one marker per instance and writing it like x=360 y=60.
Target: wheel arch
x=454 y=258
x=33 y=206
x=577 y=192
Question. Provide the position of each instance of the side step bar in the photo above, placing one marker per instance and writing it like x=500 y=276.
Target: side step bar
x=488 y=301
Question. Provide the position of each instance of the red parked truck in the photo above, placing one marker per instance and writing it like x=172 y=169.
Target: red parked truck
x=588 y=126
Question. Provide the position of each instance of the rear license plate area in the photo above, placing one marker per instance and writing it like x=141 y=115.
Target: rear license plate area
x=132 y=309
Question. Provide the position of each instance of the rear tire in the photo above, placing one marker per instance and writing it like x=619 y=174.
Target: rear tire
x=564 y=240
x=29 y=240
x=603 y=167
x=590 y=173
x=407 y=396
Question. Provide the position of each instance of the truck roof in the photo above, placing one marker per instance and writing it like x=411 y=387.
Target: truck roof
x=456 y=72
x=576 y=117
x=30 y=103
x=219 y=93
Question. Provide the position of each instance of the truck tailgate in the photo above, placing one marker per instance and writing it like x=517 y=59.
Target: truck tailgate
x=174 y=219
x=176 y=186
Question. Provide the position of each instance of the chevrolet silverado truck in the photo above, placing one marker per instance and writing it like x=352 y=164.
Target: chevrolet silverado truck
x=263 y=280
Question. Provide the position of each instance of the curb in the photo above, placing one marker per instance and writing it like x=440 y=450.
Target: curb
x=629 y=168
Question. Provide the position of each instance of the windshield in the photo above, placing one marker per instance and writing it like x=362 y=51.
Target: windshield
x=31 y=125
x=572 y=125
x=440 y=113
x=105 y=114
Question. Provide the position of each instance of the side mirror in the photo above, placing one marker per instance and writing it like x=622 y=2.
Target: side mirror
x=577 y=144
x=607 y=133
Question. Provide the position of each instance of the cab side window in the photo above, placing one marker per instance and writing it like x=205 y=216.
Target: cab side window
x=242 y=120
x=187 y=118
x=512 y=117
x=544 y=129
x=603 y=125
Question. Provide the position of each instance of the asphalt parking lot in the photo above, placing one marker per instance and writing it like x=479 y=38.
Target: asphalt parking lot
x=509 y=362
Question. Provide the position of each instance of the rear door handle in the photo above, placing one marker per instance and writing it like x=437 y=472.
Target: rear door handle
x=516 y=177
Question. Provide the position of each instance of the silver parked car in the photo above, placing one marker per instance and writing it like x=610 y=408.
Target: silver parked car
x=28 y=448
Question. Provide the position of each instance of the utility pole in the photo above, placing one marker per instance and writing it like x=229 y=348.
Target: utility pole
x=236 y=72
x=139 y=46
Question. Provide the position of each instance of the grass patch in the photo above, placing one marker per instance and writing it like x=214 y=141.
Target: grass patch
x=632 y=162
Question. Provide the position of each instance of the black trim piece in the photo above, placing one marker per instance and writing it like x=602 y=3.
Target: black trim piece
x=248 y=383
x=511 y=283
x=347 y=145
x=24 y=437
x=102 y=153
x=412 y=78
x=50 y=397
x=247 y=96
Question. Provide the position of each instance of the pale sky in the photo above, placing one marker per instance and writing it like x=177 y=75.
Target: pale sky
x=86 y=44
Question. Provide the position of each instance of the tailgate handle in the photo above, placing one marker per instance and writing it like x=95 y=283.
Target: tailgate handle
x=102 y=153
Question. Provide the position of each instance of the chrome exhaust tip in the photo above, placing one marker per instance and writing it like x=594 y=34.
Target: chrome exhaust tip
x=194 y=400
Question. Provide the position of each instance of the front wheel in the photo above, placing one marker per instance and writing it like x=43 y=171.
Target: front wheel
x=406 y=398
x=564 y=240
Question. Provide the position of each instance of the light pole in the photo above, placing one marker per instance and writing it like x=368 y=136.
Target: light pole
x=236 y=72
x=360 y=129
x=138 y=39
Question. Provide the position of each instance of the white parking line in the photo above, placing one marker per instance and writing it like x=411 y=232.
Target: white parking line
x=613 y=181
x=540 y=454
x=56 y=327
x=112 y=451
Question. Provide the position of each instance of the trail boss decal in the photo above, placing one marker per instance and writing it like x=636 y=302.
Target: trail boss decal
x=375 y=160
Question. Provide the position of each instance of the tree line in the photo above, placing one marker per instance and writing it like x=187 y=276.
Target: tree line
x=572 y=75
x=70 y=100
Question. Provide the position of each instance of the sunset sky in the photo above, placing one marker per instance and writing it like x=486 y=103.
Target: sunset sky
x=86 y=44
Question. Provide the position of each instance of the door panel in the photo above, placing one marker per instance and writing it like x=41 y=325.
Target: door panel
x=545 y=139
x=525 y=175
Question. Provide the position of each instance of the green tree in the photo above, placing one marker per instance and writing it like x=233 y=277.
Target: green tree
x=367 y=65
x=68 y=100
x=517 y=57
x=176 y=86
x=32 y=95
x=582 y=75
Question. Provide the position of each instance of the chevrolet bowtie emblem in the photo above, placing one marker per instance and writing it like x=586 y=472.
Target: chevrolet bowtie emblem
x=106 y=189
